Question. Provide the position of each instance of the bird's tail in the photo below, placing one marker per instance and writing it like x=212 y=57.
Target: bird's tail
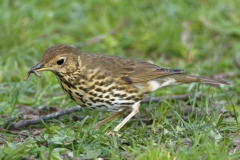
x=181 y=78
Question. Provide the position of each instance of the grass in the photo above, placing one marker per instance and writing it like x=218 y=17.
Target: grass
x=199 y=36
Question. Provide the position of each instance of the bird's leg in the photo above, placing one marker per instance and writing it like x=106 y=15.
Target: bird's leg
x=96 y=126
x=134 y=111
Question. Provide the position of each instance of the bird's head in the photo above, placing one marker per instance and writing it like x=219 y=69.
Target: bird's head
x=60 y=59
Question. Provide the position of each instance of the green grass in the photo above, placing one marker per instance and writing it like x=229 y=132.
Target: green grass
x=201 y=37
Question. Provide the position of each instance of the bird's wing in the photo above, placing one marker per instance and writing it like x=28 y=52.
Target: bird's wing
x=128 y=71
x=136 y=72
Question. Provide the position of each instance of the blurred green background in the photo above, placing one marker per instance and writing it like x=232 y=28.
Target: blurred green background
x=201 y=37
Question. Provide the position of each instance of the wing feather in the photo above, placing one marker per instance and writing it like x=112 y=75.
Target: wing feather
x=127 y=71
x=143 y=71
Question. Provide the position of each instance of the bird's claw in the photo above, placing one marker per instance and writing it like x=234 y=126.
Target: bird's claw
x=110 y=133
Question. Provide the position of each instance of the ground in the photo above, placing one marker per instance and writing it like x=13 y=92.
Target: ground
x=201 y=37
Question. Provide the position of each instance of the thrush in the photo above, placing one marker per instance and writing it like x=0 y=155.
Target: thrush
x=107 y=83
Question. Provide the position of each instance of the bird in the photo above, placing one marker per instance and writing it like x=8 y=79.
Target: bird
x=109 y=83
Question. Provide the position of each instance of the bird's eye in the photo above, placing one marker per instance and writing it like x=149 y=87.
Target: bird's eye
x=60 y=61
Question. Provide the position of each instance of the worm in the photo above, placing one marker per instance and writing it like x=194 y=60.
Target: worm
x=29 y=73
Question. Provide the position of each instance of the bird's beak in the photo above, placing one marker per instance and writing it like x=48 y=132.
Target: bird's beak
x=38 y=67
x=35 y=69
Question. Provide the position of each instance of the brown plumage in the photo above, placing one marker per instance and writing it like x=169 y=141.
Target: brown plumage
x=108 y=83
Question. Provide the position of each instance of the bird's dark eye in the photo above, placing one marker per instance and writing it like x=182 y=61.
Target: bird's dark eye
x=60 y=61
